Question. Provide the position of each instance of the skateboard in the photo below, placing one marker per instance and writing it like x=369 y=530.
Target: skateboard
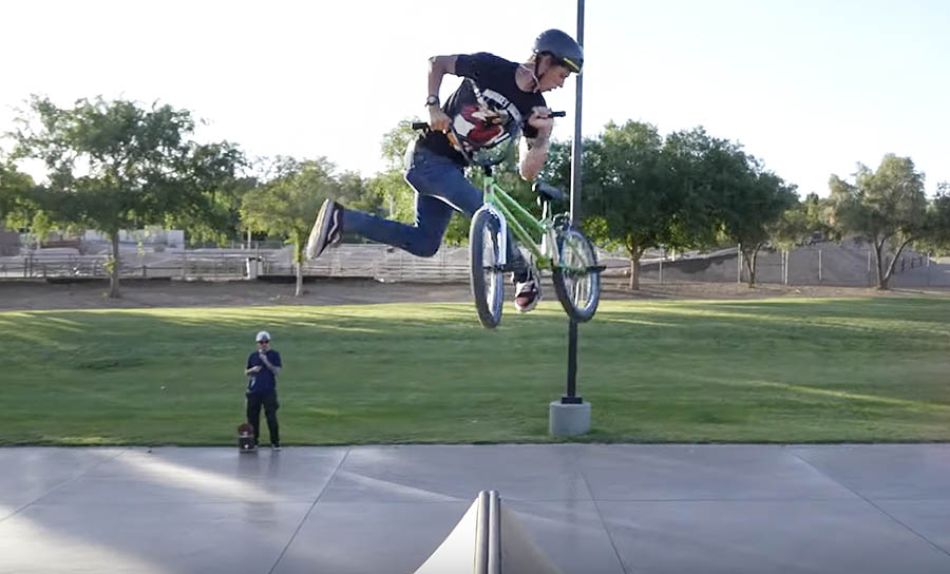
x=246 y=438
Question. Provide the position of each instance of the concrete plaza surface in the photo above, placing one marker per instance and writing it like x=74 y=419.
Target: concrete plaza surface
x=590 y=508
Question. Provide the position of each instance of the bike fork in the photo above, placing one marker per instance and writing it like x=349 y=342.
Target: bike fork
x=502 y=239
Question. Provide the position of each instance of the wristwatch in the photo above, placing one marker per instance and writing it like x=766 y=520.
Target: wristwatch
x=432 y=101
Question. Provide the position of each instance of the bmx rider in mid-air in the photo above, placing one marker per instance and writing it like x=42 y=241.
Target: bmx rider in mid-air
x=497 y=98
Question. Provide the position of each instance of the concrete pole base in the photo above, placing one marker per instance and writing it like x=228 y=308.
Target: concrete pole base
x=568 y=420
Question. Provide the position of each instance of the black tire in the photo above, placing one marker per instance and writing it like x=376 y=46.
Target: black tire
x=488 y=285
x=576 y=275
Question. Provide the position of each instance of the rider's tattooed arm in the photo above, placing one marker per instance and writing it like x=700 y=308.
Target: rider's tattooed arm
x=534 y=152
x=439 y=66
x=533 y=158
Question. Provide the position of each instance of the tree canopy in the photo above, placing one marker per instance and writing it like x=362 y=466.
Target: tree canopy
x=119 y=165
x=115 y=165
x=887 y=207
x=287 y=204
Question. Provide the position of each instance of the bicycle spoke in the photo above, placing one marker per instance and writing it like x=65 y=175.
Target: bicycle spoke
x=487 y=285
x=491 y=259
x=577 y=276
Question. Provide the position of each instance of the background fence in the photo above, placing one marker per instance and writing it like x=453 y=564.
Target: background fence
x=847 y=264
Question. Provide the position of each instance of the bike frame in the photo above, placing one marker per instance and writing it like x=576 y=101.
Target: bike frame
x=524 y=226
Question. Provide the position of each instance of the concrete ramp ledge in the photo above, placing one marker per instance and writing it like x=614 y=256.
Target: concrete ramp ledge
x=488 y=540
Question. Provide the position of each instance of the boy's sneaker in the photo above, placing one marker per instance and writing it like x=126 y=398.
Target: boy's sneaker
x=527 y=292
x=275 y=446
x=327 y=229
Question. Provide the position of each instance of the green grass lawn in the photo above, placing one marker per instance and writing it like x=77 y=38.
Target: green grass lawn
x=788 y=370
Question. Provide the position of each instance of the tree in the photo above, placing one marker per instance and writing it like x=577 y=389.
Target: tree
x=15 y=195
x=216 y=188
x=936 y=236
x=352 y=190
x=558 y=170
x=641 y=190
x=690 y=176
x=800 y=225
x=286 y=205
x=816 y=216
x=388 y=195
x=23 y=204
x=791 y=229
x=886 y=207
x=626 y=191
x=395 y=143
x=116 y=165
x=751 y=204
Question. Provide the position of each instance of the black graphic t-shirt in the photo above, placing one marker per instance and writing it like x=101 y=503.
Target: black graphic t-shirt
x=487 y=109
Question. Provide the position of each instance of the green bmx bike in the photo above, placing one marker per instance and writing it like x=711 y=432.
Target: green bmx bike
x=554 y=243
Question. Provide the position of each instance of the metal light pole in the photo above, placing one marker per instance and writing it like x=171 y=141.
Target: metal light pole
x=577 y=152
x=571 y=415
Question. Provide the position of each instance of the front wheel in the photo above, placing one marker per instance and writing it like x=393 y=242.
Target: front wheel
x=576 y=275
x=488 y=286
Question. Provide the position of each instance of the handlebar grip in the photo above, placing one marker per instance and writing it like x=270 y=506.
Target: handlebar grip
x=420 y=126
x=558 y=114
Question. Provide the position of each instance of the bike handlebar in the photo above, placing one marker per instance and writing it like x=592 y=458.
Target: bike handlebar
x=424 y=126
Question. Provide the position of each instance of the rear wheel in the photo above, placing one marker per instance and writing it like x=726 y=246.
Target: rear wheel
x=576 y=275
x=488 y=287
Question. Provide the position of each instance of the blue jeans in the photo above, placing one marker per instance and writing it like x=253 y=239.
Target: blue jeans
x=441 y=188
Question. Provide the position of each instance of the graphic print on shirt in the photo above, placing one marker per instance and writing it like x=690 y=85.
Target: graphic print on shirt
x=482 y=119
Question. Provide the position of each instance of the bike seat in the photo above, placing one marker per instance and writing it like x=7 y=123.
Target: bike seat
x=548 y=192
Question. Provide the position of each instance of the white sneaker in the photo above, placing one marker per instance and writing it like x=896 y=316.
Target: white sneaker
x=527 y=293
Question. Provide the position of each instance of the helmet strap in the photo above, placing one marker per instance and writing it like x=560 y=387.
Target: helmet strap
x=534 y=74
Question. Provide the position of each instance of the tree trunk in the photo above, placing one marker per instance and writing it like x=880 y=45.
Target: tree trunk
x=114 y=271
x=299 y=290
x=879 y=264
x=298 y=263
x=635 y=254
x=750 y=257
x=634 y=283
x=884 y=276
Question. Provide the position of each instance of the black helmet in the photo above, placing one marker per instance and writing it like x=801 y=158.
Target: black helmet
x=562 y=48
